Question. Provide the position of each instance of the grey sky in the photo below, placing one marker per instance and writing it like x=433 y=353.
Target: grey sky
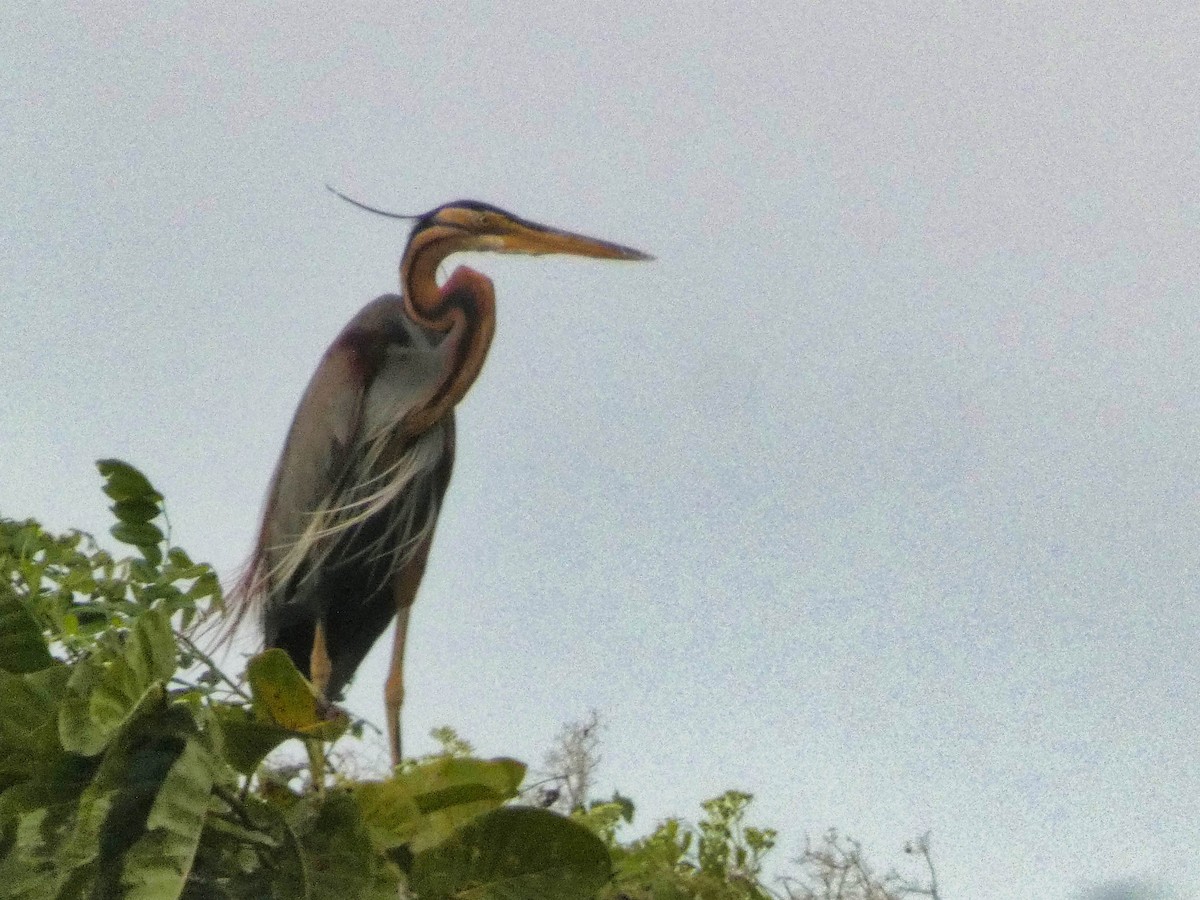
x=875 y=495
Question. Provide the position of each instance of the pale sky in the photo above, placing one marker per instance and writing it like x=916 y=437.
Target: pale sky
x=875 y=495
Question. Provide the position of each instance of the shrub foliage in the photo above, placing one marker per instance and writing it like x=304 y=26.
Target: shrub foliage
x=132 y=766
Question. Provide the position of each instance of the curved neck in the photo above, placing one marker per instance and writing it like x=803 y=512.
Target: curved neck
x=423 y=299
x=464 y=309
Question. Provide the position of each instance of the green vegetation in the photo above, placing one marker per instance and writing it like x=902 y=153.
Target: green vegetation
x=132 y=766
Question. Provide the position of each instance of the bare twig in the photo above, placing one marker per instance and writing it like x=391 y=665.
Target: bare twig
x=208 y=661
x=920 y=847
x=573 y=761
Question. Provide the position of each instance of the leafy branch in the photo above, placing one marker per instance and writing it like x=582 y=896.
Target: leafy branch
x=132 y=765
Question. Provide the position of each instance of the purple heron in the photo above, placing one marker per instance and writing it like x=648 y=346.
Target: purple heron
x=352 y=506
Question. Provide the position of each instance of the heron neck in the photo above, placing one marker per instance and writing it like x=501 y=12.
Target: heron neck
x=464 y=309
x=423 y=299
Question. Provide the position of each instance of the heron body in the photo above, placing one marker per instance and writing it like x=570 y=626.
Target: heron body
x=354 y=500
x=367 y=495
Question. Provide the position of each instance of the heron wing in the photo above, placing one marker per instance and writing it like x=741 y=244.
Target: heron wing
x=352 y=496
x=316 y=452
x=374 y=372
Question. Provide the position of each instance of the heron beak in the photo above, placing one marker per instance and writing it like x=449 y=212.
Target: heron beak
x=536 y=240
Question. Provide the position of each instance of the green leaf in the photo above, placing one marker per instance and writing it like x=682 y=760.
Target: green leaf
x=87 y=727
x=124 y=482
x=514 y=853
x=151 y=648
x=139 y=534
x=105 y=692
x=293 y=879
x=22 y=646
x=144 y=571
x=341 y=859
x=282 y=695
x=157 y=866
x=206 y=585
x=451 y=781
x=247 y=739
x=389 y=810
x=76 y=729
x=136 y=511
x=115 y=808
x=423 y=805
x=28 y=870
x=29 y=720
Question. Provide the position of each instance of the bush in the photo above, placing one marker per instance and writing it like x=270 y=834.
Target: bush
x=132 y=766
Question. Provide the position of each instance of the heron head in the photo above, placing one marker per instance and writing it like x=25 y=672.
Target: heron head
x=486 y=227
x=471 y=225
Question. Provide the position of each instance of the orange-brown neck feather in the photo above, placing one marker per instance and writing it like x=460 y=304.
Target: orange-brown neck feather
x=464 y=309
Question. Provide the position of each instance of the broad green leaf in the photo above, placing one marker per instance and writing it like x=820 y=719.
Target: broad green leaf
x=55 y=785
x=22 y=647
x=123 y=482
x=293 y=879
x=451 y=780
x=77 y=731
x=389 y=810
x=114 y=810
x=79 y=847
x=423 y=805
x=151 y=648
x=28 y=869
x=144 y=571
x=114 y=700
x=247 y=739
x=341 y=859
x=87 y=720
x=105 y=716
x=29 y=719
x=513 y=853
x=206 y=585
x=283 y=696
x=104 y=691
x=157 y=866
x=454 y=790
x=240 y=833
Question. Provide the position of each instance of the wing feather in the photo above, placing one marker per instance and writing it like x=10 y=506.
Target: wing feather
x=343 y=463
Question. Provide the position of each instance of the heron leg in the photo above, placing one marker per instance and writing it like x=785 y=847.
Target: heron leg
x=404 y=589
x=393 y=689
x=320 y=668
